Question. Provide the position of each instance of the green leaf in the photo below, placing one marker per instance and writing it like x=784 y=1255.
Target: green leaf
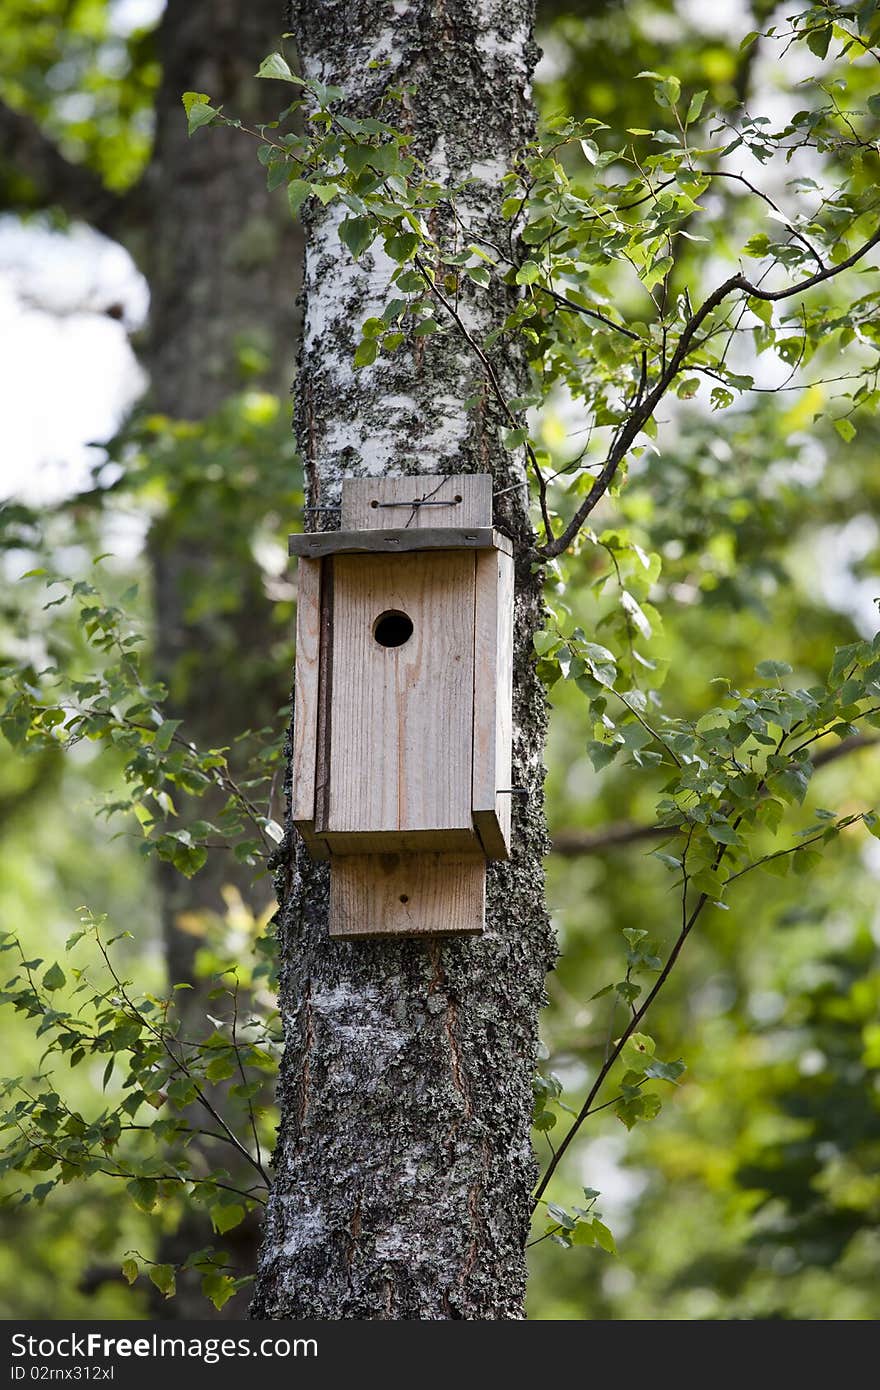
x=513 y=438
x=366 y=352
x=164 y=1278
x=297 y=192
x=411 y=282
x=544 y=642
x=528 y=273
x=357 y=233
x=479 y=275
x=186 y=857
x=710 y=882
x=633 y=935
x=791 y=784
x=805 y=861
x=667 y=90
x=218 y=1287
x=601 y=754
x=583 y=1234
x=189 y=99
x=688 y=388
x=695 y=108
x=143 y=1192
x=130 y=1270
x=54 y=978
x=659 y=270
x=276 y=66
x=199 y=111
x=772 y=670
x=757 y=246
x=637 y=1052
x=818 y=40
x=165 y=733
x=221 y=1068
x=668 y=859
x=665 y=1071
x=403 y=246
x=604 y=1238
x=723 y=835
x=846 y=429
x=225 y=1217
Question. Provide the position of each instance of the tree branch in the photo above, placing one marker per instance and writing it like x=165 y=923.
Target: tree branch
x=571 y=843
x=615 y=1051
x=57 y=182
x=639 y=418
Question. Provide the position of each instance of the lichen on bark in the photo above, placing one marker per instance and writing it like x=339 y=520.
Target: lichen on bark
x=403 y=1167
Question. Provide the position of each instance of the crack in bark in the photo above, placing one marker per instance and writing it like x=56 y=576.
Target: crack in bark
x=458 y=1071
x=354 y=1231
x=305 y=1074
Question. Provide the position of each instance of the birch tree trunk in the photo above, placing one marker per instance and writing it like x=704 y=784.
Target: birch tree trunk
x=404 y=1165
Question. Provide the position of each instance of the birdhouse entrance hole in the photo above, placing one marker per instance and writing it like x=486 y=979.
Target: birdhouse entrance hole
x=392 y=628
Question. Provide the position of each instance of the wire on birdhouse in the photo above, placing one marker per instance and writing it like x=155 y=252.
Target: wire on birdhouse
x=417 y=503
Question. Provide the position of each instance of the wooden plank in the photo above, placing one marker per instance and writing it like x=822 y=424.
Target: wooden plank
x=325 y=688
x=400 y=716
x=461 y=839
x=397 y=541
x=366 y=502
x=407 y=895
x=306 y=700
x=493 y=701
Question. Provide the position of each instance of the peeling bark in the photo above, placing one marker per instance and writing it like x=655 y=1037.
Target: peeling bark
x=404 y=1164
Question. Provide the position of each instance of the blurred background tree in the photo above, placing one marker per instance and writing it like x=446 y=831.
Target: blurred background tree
x=754 y=1193
x=92 y=130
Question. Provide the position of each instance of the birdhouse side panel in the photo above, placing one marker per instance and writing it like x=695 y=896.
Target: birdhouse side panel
x=493 y=701
x=401 y=707
x=306 y=756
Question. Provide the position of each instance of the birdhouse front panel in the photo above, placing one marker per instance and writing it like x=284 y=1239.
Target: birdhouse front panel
x=401 y=702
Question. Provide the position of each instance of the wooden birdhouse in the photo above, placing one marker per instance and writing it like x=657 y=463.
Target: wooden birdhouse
x=402 y=722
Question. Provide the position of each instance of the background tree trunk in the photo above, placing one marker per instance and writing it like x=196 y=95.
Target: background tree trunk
x=403 y=1166
x=222 y=256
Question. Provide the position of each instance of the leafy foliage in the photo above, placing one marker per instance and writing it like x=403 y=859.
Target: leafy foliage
x=164 y=1158
x=93 y=93
x=580 y=248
